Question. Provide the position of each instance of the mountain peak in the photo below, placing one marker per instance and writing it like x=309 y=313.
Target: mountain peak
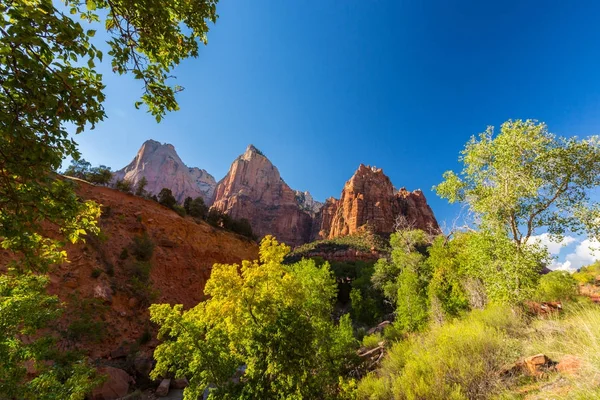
x=162 y=167
x=251 y=151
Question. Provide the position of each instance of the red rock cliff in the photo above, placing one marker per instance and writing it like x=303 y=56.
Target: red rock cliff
x=369 y=198
x=253 y=189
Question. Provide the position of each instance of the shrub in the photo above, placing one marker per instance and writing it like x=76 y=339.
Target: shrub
x=143 y=248
x=124 y=254
x=372 y=341
x=166 y=198
x=124 y=185
x=96 y=272
x=179 y=210
x=140 y=188
x=556 y=286
x=458 y=360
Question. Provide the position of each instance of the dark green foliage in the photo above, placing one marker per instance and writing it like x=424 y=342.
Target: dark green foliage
x=142 y=247
x=140 y=188
x=83 y=170
x=100 y=175
x=222 y=220
x=86 y=324
x=78 y=169
x=124 y=185
x=96 y=272
x=166 y=198
x=124 y=253
x=110 y=269
x=196 y=207
x=179 y=210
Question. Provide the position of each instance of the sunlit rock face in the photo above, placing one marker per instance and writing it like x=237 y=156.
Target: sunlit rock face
x=162 y=168
x=253 y=189
x=369 y=199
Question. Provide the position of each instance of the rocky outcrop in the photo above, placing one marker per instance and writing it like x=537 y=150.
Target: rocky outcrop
x=254 y=190
x=369 y=199
x=162 y=168
x=307 y=203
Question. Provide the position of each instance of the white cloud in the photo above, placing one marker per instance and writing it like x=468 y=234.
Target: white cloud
x=586 y=252
x=553 y=247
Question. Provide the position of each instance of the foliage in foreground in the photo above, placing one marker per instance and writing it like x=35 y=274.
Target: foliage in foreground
x=274 y=320
x=457 y=360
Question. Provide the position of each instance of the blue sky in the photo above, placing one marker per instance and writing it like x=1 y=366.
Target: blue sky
x=322 y=86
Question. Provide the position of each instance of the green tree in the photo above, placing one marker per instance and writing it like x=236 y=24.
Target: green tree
x=124 y=185
x=525 y=178
x=48 y=85
x=100 y=175
x=271 y=318
x=404 y=278
x=140 y=188
x=78 y=168
x=166 y=198
x=196 y=208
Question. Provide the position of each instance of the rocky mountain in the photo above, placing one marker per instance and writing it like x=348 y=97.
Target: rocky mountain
x=163 y=168
x=253 y=189
x=370 y=198
x=307 y=203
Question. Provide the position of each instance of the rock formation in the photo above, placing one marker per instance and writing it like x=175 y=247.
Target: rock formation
x=253 y=189
x=369 y=198
x=307 y=203
x=163 y=168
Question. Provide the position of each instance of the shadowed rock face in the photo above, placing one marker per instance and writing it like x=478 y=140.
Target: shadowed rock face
x=370 y=198
x=163 y=168
x=253 y=189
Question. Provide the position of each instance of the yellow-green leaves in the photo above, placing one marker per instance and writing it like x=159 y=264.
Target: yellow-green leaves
x=271 y=319
x=525 y=178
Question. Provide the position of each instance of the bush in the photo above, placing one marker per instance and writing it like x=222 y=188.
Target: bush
x=124 y=254
x=96 y=272
x=196 y=207
x=372 y=341
x=458 y=360
x=179 y=210
x=143 y=248
x=556 y=286
x=166 y=198
x=124 y=185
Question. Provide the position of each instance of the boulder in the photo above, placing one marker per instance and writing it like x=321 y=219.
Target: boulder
x=569 y=365
x=163 y=389
x=537 y=365
x=103 y=292
x=115 y=386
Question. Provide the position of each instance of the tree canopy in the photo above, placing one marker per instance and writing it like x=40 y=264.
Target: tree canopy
x=270 y=322
x=49 y=86
x=525 y=178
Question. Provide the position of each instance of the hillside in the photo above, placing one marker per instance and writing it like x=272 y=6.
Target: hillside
x=105 y=286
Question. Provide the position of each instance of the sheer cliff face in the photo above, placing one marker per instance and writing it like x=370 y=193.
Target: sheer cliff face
x=253 y=189
x=369 y=199
x=163 y=168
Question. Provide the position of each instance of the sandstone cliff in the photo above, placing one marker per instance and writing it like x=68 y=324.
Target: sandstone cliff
x=253 y=189
x=369 y=198
x=163 y=168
